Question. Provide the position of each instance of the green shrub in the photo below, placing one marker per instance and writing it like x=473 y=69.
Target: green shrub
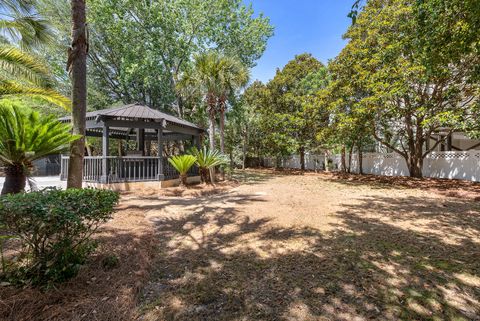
x=182 y=164
x=55 y=229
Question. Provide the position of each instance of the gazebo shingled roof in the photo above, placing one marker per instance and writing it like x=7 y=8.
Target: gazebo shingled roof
x=135 y=112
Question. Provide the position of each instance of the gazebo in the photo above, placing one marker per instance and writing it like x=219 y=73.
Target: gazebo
x=133 y=123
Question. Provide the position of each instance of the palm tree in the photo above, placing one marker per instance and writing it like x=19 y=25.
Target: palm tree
x=218 y=76
x=234 y=76
x=207 y=74
x=182 y=164
x=77 y=66
x=207 y=159
x=25 y=137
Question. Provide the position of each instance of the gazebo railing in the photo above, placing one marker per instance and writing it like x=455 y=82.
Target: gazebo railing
x=122 y=169
x=119 y=169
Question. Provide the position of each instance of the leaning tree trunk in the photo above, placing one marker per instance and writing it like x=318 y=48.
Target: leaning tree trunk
x=15 y=179
x=77 y=65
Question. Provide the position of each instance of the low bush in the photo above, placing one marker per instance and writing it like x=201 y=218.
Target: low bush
x=54 y=228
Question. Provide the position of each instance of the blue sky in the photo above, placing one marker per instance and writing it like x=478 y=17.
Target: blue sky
x=314 y=26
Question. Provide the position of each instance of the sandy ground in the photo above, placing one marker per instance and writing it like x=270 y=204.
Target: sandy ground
x=280 y=246
x=315 y=247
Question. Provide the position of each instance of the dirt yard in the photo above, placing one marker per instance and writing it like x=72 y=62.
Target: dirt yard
x=283 y=246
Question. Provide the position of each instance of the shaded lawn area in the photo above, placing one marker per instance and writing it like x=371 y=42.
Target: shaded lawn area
x=315 y=247
x=280 y=246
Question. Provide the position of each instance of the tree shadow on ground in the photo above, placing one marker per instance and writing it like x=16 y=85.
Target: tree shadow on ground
x=253 y=176
x=215 y=263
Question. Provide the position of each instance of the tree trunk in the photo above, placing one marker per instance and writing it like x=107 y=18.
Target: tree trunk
x=415 y=165
x=15 y=179
x=325 y=162
x=302 y=158
x=222 y=137
x=344 y=163
x=211 y=135
x=183 y=180
x=360 y=161
x=77 y=65
x=350 y=152
x=244 y=153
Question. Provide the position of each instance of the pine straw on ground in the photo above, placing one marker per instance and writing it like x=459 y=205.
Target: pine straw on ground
x=441 y=186
x=313 y=247
x=445 y=187
x=96 y=293
x=279 y=246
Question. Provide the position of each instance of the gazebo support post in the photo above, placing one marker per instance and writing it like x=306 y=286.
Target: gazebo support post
x=105 y=134
x=141 y=140
x=160 y=175
x=196 y=141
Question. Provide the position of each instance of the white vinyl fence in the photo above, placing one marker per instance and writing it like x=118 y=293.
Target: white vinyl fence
x=453 y=165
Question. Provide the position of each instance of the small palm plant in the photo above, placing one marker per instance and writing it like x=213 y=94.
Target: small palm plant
x=24 y=137
x=206 y=160
x=182 y=164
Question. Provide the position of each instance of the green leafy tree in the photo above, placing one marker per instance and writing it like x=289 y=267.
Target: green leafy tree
x=182 y=164
x=172 y=32
x=217 y=77
x=24 y=137
x=286 y=101
x=406 y=93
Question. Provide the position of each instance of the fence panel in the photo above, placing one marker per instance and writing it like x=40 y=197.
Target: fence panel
x=453 y=164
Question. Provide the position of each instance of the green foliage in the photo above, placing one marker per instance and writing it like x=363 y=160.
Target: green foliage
x=289 y=107
x=55 y=228
x=22 y=74
x=110 y=262
x=207 y=159
x=172 y=32
x=26 y=136
x=390 y=76
x=182 y=163
x=22 y=24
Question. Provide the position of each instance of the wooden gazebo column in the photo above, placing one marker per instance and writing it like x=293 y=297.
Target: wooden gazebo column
x=160 y=174
x=105 y=147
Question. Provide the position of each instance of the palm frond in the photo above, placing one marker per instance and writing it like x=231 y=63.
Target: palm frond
x=182 y=163
x=26 y=136
x=22 y=24
x=207 y=159
x=21 y=65
x=11 y=88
